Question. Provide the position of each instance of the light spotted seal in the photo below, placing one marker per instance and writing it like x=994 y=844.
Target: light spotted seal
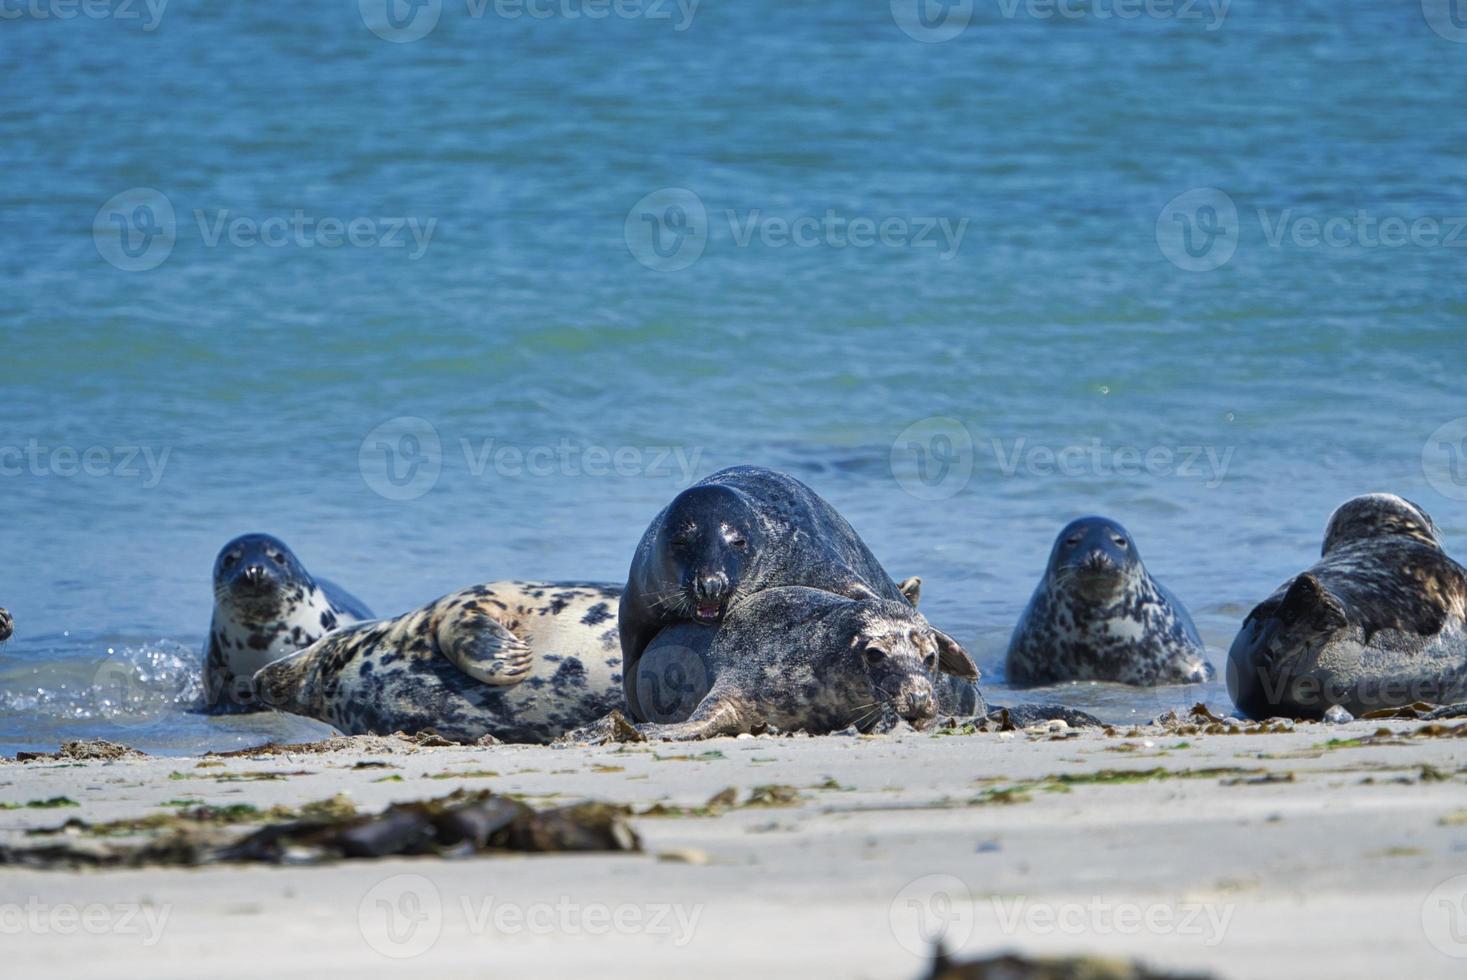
x=266 y=605
x=7 y=625
x=1377 y=622
x=521 y=661
x=1098 y=615
x=799 y=658
x=738 y=532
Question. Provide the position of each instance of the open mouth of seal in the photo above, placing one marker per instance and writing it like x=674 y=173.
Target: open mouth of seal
x=708 y=612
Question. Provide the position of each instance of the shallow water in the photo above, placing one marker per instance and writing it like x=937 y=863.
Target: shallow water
x=254 y=374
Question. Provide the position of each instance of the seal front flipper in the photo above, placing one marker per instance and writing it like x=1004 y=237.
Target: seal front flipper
x=718 y=714
x=484 y=648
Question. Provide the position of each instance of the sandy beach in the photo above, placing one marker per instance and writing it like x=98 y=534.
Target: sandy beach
x=1235 y=855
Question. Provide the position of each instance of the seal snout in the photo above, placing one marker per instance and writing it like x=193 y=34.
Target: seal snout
x=709 y=593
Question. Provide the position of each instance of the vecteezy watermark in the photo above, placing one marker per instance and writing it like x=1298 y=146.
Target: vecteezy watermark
x=1447 y=17
x=404 y=21
x=934 y=21
x=1444 y=917
x=143 y=463
x=1095 y=916
x=1200 y=230
x=931 y=910
x=148 y=12
x=933 y=459
x=403 y=916
x=402 y=459
x=137 y=230
x=1444 y=459
x=39 y=918
x=670 y=229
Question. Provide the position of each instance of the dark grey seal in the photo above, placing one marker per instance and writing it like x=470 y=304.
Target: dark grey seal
x=1377 y=622
x=521 y=661
x=266 y=605
x=798 y=658
x=738 y=532
x=7 y=625
x=1099 y=616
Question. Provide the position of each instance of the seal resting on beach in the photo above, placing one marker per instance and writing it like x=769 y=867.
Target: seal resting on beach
x=7 y=625
x=1097 y=615
x=521 y=661
x=1377 y=622
x=266 y=605
x=738 y=532
x=798 y=658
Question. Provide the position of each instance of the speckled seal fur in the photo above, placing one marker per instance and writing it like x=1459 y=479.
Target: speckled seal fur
x=738 y=532
x=1097 y=615
x=521 y=661
x=266 y=605
x=1377 y=622
x=7 y=625
x=804 y=659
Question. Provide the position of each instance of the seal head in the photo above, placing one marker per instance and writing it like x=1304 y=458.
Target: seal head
x=707 y=540
x=1098 y=615
x=7 y=625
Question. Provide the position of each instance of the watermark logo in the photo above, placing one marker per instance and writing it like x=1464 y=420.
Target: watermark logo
x=400 y=21
x=930 y=910
x=672 y=681
x=39 y=918
x=402 y=916
x=401 y=459
x=150 y=12
x=1444 y=917
x=932 y=21
x=1444 y=459
x=136 y=229
x=667 y=230
x=1448 y=18
x=1198 y=231
x=933 y=459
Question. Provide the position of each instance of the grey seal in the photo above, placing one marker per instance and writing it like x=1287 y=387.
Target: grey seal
x=521 y=661
x=266 y=605
x=7 y=625
x=738 y=532
x=1099 y=615
x=797 y=658
x=1377 y=622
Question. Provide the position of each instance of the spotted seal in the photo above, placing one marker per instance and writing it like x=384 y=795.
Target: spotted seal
x=1099 y=615
x=1377 y=622
x=7 y=625
x=266 y=605
x=738 y=532
x=521 y=661
x=804 y=659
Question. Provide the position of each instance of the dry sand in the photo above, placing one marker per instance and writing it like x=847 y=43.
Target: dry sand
x=1297 y=858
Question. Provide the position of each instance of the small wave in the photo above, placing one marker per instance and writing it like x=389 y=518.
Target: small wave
x=130 y=685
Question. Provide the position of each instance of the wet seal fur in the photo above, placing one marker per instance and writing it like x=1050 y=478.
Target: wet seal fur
x=738 y=532
x=266 y=605
x=7 y=625
x=797 y=658
x=521 y=661
x=1098 y=615
x=1377 y=622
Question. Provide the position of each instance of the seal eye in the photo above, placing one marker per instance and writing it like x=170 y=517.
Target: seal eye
x=1074 y=539
x=277 y=558
x=1120 y=541
x=930 y=661
x=740 y=542
x=229 y=561
x=873 y=655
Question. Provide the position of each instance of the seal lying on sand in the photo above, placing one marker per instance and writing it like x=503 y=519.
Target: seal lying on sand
x=1097 y=615
x=1376 y=623
x=7 y=625
x=799 y=658
x=740 y=531
x=266 y=605
x=522 y=661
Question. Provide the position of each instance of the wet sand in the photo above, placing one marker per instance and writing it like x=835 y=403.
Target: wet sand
x=1269 y=855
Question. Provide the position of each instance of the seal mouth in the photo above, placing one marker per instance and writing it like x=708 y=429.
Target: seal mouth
x=708 y=612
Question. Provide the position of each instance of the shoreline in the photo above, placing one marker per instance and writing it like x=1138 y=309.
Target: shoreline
x=1248 y=855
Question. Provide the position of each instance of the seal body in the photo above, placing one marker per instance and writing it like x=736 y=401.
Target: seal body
x=521 y=661
x=266 y=605
x=1098 y=615
x=799 y=658
x=7 y=625
x=738 y=532
x=1377 y=622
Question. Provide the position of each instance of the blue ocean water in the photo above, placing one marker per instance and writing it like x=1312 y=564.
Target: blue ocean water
x=461 y=291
